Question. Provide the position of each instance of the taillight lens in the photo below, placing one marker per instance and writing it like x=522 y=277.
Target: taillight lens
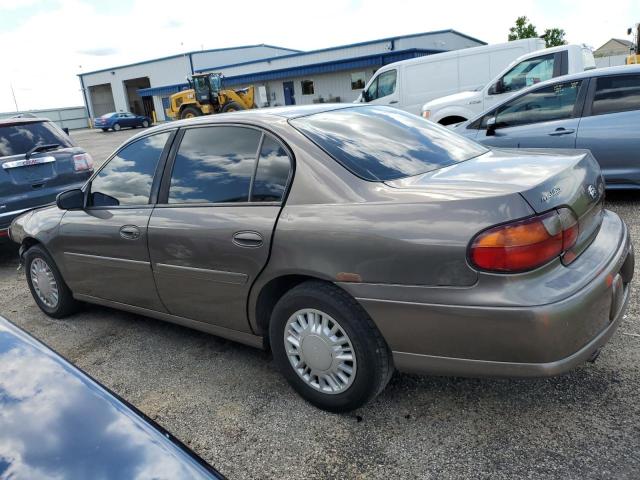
x=82 y=162
x=525 y=244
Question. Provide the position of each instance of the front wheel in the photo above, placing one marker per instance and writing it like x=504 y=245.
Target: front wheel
x=116 y=127
x=47 y=285
x=328 y=348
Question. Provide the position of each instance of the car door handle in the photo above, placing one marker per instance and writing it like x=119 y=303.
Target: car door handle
x=247 y=239
x=561 y=131
x=130 y=232
x=393 y=101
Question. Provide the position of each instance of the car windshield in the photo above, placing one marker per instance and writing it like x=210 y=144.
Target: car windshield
x=18 y=139
x=381 y=143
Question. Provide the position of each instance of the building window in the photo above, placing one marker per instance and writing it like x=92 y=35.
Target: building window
x=307 y=87
x=358 y=81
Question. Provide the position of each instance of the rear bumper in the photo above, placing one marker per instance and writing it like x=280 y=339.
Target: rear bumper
x=514 y=341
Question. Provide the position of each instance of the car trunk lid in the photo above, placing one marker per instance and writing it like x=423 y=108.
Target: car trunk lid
x=546 y=179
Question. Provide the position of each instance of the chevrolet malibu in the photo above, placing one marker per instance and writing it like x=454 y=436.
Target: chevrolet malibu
x=351 y=240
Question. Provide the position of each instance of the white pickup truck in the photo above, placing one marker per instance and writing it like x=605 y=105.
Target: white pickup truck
x=525 y=71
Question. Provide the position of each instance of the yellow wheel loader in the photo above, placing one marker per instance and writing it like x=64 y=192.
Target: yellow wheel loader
x=207 y=96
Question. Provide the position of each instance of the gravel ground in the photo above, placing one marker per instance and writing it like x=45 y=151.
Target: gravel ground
x=228 y=403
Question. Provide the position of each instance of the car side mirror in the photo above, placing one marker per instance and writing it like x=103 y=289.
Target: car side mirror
x=70 y=200
x=491 y=126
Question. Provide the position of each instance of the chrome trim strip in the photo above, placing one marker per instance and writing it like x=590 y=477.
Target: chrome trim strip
x=16 y=212
x=218 y=276
x=29 y=162
x=126 y=263
x=235 y=335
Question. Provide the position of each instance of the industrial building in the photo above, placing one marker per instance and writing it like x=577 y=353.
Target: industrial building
x=282 y=76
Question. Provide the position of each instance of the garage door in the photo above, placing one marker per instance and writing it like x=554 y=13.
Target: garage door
x=101 y=99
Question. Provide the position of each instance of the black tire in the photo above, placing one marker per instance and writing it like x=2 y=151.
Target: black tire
x=105 y=129
x=190 y=112
x=373 y=357
x=233 y=107
x=66 y=304
x=116 y=127
x=145 y=124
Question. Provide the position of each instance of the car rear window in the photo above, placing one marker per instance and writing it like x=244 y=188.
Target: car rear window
x=381 y=143
x=19 y=138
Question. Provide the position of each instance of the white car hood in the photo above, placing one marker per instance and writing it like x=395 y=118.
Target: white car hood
x=457 y=98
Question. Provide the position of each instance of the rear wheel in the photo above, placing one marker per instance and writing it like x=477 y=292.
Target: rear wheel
x=145 y=123
x=328 y=348
x=190 y=112
x=105 y=129
x=116 y=127
x=232 y=107
x=47 y=285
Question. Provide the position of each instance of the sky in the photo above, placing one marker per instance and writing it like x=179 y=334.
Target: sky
x=47 y=43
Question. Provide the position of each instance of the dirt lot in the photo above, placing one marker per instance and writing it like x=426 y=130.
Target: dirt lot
x=230 y=405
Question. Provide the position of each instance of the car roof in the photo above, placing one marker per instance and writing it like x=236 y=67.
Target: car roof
x=257 y=115
x=6 y=122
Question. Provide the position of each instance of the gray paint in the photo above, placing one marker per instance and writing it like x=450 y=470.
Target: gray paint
x=407 y=240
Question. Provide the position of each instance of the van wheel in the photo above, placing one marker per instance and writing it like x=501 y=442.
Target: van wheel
x=328 y=348
x=47 y=285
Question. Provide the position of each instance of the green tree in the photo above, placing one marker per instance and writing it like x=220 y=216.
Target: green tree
x=523 y=29
x=554 y=37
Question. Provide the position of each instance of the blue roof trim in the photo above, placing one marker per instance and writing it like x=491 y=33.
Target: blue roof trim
x=312 y=69
x=340 y=47
x=188 y=54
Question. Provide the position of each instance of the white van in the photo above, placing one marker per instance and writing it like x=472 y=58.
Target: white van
x=527 y=70
x=408 y=84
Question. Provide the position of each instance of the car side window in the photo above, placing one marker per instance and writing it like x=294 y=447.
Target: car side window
x=619 y=93
x=528 y=72
x=555 y=102
x=127 y=178
x=214 y=165
x=272 y=172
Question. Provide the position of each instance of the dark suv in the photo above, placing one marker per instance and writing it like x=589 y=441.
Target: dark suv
x=38 y=161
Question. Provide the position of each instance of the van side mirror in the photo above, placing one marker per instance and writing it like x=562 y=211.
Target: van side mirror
x=70 y=200
x=497 y=88
x=491 y=126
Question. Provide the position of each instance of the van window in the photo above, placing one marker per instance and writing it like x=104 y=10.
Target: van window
x=619 y=93
x=528 y=72
x=383 y=85
x=382 y=143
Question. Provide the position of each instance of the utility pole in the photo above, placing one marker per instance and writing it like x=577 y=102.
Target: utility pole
x=14 y=97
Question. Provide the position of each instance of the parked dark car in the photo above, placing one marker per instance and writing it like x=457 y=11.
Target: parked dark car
x=598 y=110
x=58 y=422
x=349 y=239
x=37 y=161
x=118 y=120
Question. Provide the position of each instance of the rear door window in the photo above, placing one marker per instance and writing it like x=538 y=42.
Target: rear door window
x=382 y=143
x=555 y=102
x=214 y=165
x=127 y=178
x=272 y=172
x=620 y=93
x=18 y=139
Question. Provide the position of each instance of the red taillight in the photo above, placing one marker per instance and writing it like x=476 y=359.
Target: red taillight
x=82 y=162
x=4 y=233
x=525 y=244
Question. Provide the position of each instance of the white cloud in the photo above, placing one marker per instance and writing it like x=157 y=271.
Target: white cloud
x=51 y=47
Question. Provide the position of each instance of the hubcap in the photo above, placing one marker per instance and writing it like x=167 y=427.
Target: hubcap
x=44 y=283
x=320 y=351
